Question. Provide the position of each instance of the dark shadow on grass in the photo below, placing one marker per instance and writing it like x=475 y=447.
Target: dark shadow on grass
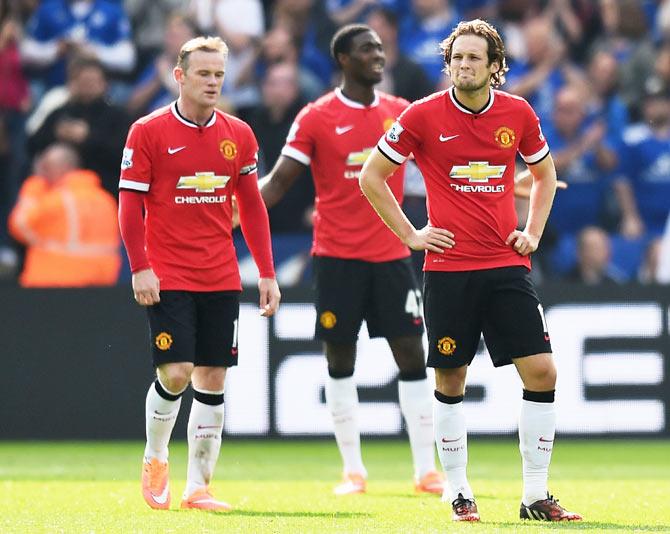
x=520 y=526
x=333 y=515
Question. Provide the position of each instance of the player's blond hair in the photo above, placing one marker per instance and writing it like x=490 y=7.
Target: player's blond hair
x=495 y=48
x=205 y=44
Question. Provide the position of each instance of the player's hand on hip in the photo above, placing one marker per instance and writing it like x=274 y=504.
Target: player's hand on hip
x=431 y=238
x=523 y=242
x=146 y=287
x=269 y=296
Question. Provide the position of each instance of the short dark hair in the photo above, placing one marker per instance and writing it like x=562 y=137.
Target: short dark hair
x=341 y=42
x=81 y=62
x=495 y=48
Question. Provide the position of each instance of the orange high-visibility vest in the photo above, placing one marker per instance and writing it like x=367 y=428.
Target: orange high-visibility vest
x=70 y=229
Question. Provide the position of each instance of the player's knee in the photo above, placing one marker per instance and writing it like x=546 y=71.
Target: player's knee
x=175 y=377
x=542 y=376
x=451 y=382
x=409 y=355
x=341 y=359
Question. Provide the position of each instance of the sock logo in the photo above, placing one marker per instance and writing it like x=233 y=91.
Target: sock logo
x=451 y=440
x=542 y=439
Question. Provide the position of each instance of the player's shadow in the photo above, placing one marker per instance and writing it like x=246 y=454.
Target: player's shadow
x=537 y=526
x=269 y=513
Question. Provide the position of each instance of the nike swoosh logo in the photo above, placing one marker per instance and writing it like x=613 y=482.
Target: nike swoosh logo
x=546 y=440
x=339 y=130
x=448 y=138
x=175 y=150
x=450 y=440
x=163 y=497
x=202 y=427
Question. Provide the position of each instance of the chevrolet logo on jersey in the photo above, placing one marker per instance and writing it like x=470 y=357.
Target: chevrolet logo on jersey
x=358 y=158
x=477 y=171
x=203 y=182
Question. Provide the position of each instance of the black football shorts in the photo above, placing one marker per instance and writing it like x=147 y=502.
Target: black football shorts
x=197 y=327
x=500 y=303
x=385 y=294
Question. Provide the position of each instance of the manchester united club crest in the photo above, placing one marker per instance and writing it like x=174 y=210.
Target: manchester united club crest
x=328 y=319
x=446 y=345
x=505 y=137
x=163 y=341
x=228 y=149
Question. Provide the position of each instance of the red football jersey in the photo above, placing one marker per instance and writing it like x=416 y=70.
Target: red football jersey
x=189 y=173
x=467 y=161
x=335 y=136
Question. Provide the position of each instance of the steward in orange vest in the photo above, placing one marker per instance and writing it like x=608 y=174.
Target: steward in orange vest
x=68 y=223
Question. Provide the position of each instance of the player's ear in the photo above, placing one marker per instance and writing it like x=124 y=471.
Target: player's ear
x=178 y=74
x=495 y=67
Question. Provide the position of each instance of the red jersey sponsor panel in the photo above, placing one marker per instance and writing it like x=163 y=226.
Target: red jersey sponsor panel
x=189 y=173
x=467 y=160
x=335 y=136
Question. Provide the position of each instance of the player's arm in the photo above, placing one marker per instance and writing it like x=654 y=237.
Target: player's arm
x=256 y=230
x=523 y=183
x=280 y=179
x=376 y=170
x=541 y=198
x=146 y=286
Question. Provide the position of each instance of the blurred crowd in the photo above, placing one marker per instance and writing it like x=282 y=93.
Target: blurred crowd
x=74 y=74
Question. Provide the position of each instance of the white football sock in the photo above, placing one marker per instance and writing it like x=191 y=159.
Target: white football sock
x=417 y=408
x=451 y=439
x=342 y=400
x=205 y=425
x=161 y=415
x=537 y=426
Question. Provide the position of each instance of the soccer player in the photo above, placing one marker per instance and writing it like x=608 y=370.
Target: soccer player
x=465 y=141
x=362 y=270
x=181 y=166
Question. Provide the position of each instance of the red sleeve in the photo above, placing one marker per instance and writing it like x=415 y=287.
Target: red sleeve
x=300 y=139
x=532 y=146
x=131 y=223
x=255 y=224
x=402 y=138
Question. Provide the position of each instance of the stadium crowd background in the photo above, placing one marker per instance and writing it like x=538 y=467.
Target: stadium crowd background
x=597 y=72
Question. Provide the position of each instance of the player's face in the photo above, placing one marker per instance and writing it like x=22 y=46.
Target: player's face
x=469 y=68
x=366 y=59
x=201 y=83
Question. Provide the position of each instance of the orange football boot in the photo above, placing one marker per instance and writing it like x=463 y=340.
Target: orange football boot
x=155 y=484
x=352 y=483
x=202 y=499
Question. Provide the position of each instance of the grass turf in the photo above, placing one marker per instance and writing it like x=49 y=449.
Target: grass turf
x=285 y=486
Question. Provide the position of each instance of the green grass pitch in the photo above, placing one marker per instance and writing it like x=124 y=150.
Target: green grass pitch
x=285 y=486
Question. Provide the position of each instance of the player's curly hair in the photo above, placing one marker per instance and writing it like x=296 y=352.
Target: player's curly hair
x=496 y=48
x=206 y=44
x=341 y=41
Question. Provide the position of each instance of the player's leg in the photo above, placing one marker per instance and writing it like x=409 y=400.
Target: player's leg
x=216 y=350
x=172 y=327
x=416 y=406
x=452 y=323
x=515 y=331
x=342 y=401
x=341 y=289
x=395 y=313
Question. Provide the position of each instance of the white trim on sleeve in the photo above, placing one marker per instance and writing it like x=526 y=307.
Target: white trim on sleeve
x=393 y=155
x=132 y=184
x=295 y=154
x=534 y=158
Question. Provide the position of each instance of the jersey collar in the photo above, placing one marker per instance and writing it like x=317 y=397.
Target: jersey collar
x=352 y=103
x=191 y=124
x=467 y=110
